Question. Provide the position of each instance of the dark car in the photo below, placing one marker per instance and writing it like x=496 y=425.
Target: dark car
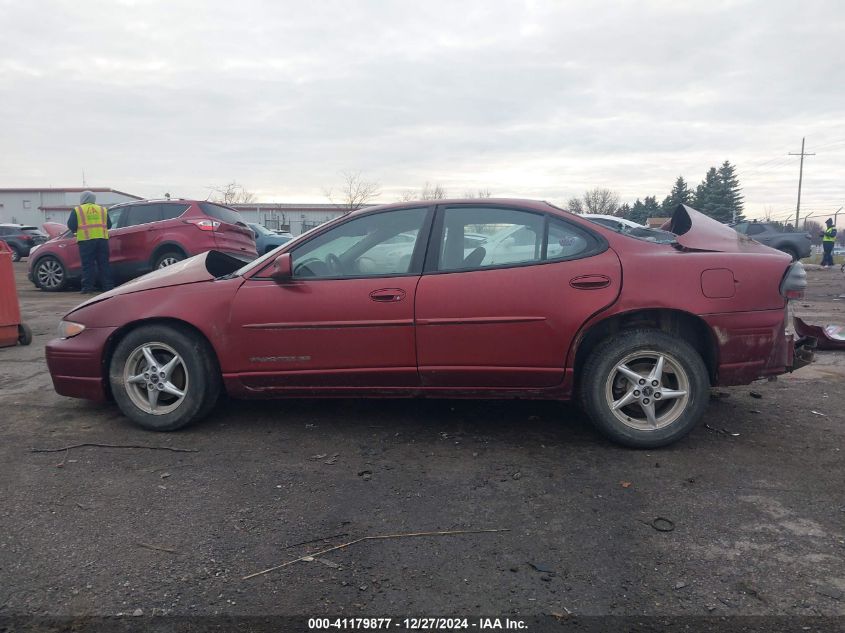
x=21 y=239
x=636 y=330
x=147 y=235
x=793 y=243
x=266 y=240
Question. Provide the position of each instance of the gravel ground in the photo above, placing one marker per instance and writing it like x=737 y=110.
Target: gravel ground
x=754 y=496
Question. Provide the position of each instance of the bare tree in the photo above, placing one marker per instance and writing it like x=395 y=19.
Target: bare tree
x=232 y=193
x=481 y=193
x=599 y=201
x=355 y=192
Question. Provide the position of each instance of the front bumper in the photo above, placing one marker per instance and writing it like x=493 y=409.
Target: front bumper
x=76 y=364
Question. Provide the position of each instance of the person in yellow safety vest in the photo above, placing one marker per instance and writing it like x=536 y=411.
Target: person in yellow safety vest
x=91 y=223
x=828 y=240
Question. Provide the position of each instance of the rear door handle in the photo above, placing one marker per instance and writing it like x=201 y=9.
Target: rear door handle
x=387 y=295
x=590 y=282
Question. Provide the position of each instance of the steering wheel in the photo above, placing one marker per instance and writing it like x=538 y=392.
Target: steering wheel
x=333 y=262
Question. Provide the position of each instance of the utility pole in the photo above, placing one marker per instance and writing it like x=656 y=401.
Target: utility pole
x=800 y=178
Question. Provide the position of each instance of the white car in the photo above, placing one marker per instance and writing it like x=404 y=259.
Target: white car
x=612 y=221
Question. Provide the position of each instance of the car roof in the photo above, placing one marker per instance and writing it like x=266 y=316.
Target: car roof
x=537 y=205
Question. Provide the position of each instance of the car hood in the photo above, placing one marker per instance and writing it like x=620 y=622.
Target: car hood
x=698 y=232
x=52 y=229
x=204 y=267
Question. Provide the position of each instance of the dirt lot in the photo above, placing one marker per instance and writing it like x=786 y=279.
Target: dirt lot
x=755 y=495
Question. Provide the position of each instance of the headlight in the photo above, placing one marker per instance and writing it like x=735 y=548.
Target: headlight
x=33 y=249
x=69 y=329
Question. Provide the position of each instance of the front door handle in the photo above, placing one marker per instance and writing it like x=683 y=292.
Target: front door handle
x=387 y=295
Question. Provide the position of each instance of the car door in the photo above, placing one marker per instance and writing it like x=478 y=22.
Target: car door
x=346 y=319
x=131 y=243
x=506 y=317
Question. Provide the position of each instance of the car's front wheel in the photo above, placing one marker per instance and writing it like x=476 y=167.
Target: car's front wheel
x=16 y=254
x=50 y=274
x=645 y=388
x=164 y=377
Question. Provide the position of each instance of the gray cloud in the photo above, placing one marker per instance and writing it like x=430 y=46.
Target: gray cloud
x=537 y=99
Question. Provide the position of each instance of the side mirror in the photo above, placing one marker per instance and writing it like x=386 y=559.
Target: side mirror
x=282 y=268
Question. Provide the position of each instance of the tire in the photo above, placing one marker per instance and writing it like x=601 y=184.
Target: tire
x=50 y=275
x=24 y=334
x=684 y=375
x=168 y=258
x=16 y=254
x=194 y=374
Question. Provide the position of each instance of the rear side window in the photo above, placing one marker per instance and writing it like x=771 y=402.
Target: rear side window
x=171 y=210
x=224 y=214
x=756 y=229
x=141 y=214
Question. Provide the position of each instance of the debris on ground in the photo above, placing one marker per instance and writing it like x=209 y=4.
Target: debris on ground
x=661 y=524
x=373 y=538
x=755 y=394
x=625 y=484
x=143 y=446
x=366 y=475
x=824 y=415
x=542 y=568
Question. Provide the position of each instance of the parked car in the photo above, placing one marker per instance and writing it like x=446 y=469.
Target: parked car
x=793 y=243
x=636 y=330
x=21 y=238
x=147 y=235
x=613 y=222
x=266 y=240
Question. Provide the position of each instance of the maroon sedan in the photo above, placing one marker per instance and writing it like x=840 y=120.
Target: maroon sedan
x=396 y=301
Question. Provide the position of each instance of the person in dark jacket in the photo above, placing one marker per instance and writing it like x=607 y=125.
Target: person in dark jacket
x=91 y=223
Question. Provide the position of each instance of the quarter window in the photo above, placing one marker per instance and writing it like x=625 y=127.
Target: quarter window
x=756 y=229
x=370 y=246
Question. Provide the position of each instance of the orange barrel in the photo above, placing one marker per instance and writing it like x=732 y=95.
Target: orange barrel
x=12 y=330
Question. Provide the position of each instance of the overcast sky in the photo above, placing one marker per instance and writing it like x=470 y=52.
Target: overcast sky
x=532 y=99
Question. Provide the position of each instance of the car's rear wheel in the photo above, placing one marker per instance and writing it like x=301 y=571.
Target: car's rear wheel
x=168 y=259
x=645 y=388
x=50 y=274
x=164 y=377
x=16 y=254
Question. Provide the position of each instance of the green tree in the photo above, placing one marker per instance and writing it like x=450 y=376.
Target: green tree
x=731 y=198
x=719 y=195
x=680 y=194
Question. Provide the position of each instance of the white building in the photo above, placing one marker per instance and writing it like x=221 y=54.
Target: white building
x=36 y=206
x=293 y=217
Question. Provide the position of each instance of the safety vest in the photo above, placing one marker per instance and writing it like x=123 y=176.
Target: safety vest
x=829 y=234
x=92 y=222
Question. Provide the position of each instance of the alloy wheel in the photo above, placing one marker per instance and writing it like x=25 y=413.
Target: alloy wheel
x=156 y=378
x=647 y=390
x=50 y=274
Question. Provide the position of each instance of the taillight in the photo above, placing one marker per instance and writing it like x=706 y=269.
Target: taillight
x=26 y=238
x=794 y=282
x=204 y=225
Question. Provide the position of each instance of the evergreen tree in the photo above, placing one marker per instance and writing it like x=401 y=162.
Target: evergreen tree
x=719 y=195
x=652 y=208
x=706 y=193
x=731 y=198
x=680 y=194
x=638 y=213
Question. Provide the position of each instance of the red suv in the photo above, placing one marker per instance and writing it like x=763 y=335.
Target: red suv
x=147 y=235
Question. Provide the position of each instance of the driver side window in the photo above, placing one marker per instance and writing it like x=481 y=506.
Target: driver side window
x=374 y=245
